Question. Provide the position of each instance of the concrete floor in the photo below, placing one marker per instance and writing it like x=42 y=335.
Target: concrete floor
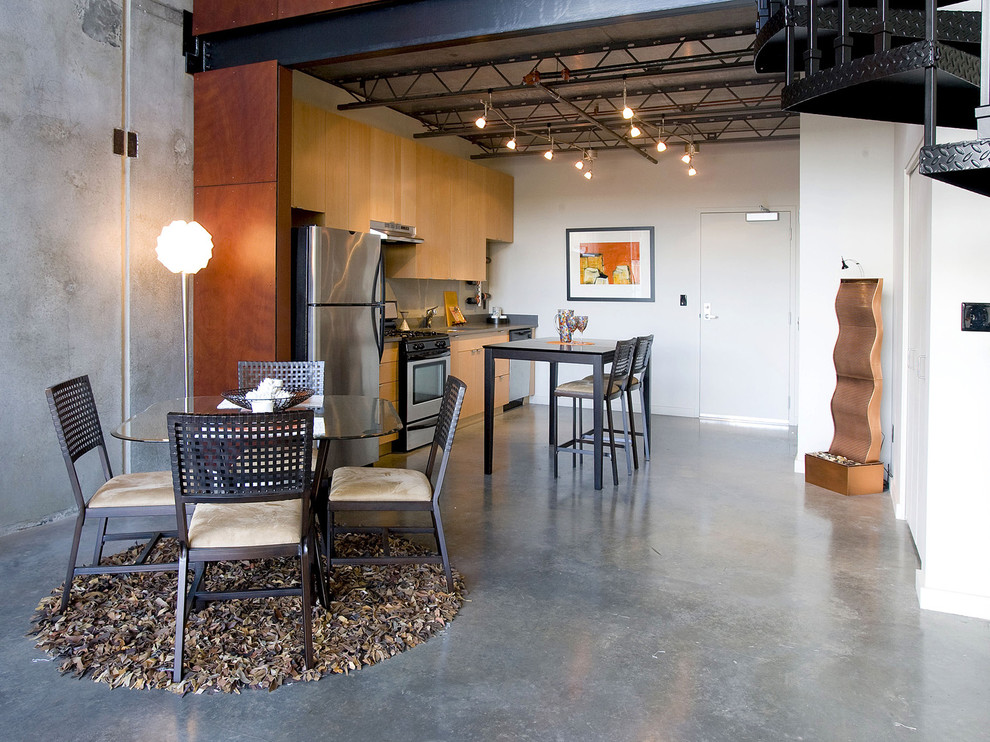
x=711 y=596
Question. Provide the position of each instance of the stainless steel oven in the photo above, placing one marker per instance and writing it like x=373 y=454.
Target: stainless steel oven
x=424 y=364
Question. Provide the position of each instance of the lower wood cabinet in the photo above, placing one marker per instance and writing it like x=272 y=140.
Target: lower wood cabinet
x=467 y=362
x=388 y=385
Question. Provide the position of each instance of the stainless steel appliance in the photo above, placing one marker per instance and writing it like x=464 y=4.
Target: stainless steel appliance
x=424 y=364
x=519 y=371
x=340 y=318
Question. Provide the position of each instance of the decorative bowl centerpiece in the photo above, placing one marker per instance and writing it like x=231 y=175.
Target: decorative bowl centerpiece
x=280 y=399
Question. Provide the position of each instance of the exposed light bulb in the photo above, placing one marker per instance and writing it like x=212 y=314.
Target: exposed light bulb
x=692 y=171
x=634 y=131
x=579 y=164
x=548 y=154
x=661 y=146
x=627 y=112
x=480 y=122
x=511 y=144
x=589 y=175
x=686 y=158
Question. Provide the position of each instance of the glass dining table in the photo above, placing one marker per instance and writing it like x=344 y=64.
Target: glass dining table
x=336 y=417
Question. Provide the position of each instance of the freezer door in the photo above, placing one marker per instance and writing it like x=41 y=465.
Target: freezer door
x=347 y=340
x=344 y=267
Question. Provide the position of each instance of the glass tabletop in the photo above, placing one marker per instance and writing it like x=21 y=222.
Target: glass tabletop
x=341 y=417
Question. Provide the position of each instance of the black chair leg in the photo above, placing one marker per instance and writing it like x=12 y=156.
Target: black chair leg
x=554 y=435
x=307 y=602
x=73 y=554
x=632 y=431
x=101 y=533
x=442 y=547
x=611 y=442
x=627 y=443
x=180 y=614
x=646 y=423
x=574 y=430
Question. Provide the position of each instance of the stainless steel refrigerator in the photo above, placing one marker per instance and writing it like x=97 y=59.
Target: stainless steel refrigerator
x=339 y=318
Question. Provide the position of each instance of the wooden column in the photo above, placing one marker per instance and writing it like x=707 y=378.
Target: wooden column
x=242 y=151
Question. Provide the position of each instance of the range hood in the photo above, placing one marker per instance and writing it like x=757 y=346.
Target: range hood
x=395 y=233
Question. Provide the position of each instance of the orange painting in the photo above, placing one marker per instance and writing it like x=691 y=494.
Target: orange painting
x=609 y=262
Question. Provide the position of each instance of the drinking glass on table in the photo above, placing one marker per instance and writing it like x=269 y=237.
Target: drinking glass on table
x=580 y=325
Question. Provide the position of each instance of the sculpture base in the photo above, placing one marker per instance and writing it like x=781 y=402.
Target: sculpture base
x=846 y=479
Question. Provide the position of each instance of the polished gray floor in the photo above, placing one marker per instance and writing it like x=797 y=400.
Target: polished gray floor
x=710 y=596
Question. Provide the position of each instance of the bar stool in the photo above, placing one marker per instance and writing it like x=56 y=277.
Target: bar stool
x=615 y=387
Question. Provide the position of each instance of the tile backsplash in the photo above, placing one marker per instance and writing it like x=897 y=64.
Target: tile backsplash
x=414 y=296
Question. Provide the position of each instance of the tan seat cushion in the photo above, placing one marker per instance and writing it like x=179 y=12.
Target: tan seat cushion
x=379 y=484
x=145 y=488
x=584 y=389
x=245 y=524
x=633 y=381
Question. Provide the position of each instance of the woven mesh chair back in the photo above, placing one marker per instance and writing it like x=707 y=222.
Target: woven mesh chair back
x=243 y=457
x=306 y=374
x=74 y=414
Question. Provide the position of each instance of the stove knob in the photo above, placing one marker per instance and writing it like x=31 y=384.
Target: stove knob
x=417 y=346
x=441 y=343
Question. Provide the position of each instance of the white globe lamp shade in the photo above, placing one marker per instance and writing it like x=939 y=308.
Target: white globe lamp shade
x=184 y=247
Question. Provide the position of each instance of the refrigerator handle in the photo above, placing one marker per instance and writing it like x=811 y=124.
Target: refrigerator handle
x=379 y=328
x=379 y=285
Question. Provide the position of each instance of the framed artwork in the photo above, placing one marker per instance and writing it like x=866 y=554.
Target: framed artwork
x=610 y=264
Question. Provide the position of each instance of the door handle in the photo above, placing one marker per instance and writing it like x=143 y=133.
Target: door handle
x=707 y=313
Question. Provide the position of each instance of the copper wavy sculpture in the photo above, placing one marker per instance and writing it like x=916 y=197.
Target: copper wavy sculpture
x=859 y=380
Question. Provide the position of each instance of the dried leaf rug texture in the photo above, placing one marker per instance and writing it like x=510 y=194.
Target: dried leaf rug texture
x=120 y=629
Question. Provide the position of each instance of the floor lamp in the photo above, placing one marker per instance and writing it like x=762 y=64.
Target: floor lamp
x=186 y=248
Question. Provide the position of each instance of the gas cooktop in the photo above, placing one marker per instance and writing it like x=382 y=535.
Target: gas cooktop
x=414 y=334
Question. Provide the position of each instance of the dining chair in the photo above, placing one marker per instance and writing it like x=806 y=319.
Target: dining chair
x=641 y=361
x=305 y=374
x=248 y=477
x=77 y=425
x=370 y=489
x=614 y=388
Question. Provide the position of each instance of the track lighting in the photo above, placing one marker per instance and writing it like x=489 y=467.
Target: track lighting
x=634 y=131
x=692 y=171
x=579 y=164
x=690 y=150
x=588 y=175
x=482 y=120
x=511 y=144
x=586 y=163
x=549 y=153
x=661 y=146
x=627 y=112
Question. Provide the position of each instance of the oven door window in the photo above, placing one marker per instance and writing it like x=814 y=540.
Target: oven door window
x=428 y=378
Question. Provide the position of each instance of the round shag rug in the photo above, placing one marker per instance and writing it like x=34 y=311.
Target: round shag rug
x=120 y=629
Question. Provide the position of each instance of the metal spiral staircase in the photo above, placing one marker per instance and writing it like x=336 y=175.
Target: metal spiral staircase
x=905 y=61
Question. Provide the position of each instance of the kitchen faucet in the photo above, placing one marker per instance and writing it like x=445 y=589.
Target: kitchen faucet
x=430 y=314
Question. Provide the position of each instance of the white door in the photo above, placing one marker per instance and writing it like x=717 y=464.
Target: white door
x=746 y=294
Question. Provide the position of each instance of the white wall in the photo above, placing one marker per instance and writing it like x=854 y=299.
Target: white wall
x=954 y=575
x=528 y=276
x=847 y=210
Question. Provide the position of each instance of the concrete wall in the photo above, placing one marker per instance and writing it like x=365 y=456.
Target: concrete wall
x=83 y=292
x=528 y=276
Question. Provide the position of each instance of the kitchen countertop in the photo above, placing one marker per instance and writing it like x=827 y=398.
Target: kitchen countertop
x=476 y=327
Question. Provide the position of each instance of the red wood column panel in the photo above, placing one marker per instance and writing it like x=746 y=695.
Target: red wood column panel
x=235 y=296
x=236 y=125
x=241 y=299
x=216 y=15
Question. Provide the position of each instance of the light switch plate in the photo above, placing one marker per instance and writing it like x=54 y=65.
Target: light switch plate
x=975 y=317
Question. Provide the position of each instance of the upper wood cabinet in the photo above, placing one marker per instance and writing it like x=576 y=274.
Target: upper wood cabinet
x=354 y=173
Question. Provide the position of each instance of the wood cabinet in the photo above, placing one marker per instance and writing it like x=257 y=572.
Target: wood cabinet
x=353 y=173
x=498 y=195
x=467 y=362
x=388 y=383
